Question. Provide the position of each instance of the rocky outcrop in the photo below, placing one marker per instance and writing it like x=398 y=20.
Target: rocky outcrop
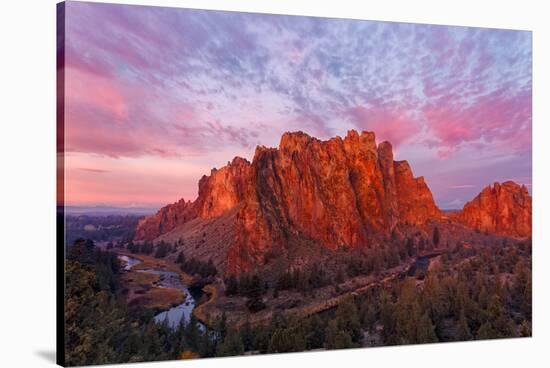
x=503 y=209
x=218 y=193
x=223 y=189
x=165 y=220
x=340 y=193
x=335 y=193
x=415 y=200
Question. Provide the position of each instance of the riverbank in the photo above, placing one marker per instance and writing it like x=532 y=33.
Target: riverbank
x=150 y=262
x=143 y=289
x=170 y=292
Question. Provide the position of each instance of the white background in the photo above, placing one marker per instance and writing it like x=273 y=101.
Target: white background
x=27 y=181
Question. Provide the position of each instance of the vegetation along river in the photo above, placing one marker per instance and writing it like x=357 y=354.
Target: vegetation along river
x=174 y=315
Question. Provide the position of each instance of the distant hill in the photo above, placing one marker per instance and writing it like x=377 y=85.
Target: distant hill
x=109 y=210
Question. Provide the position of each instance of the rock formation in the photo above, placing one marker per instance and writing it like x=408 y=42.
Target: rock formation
x=338 y=193
x=218 y=193
x=334 y=193
x=503 y=209
x=165 y=220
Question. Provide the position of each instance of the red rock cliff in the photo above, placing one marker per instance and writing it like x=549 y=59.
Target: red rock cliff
x=223 y=189
x=219 y=192
x=166 y=219
x=336 y=193
x=503 y=209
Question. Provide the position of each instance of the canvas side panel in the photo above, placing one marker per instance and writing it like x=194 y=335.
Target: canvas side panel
x=60 y=220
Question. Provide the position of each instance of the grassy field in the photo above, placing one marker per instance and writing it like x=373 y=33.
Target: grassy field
x=160 y=299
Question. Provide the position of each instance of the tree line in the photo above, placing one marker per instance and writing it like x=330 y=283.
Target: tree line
x=160 y=250
x=194 y=266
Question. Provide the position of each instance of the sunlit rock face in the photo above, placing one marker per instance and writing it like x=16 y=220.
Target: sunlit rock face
x=503 y=209
x=218 y=193
x=223 y=189
x=166 y=219
x=336 y=193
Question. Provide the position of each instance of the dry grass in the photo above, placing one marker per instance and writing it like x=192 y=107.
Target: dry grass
x=150 y=262
x=160 y=299
x=141 y=286
x=140 y=279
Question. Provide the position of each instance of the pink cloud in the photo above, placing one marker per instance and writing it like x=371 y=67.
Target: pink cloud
x=311 y=123
x=89 y=169
x=145 y=180
x=495 y=119
x=77 y=60
x=394 y=125
x=98 y=92
x=98 y=115
x=109 y=116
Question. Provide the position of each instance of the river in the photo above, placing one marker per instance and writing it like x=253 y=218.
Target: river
x=169 y=279
x=421 y=264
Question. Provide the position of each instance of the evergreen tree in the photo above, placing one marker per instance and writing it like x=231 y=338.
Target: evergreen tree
x=421 y=245
x=498 y=319
x=486 y=331
x=411 y=250
x=388 y=320
x=436 y=236
x=343 y=340
x=425 y=332
x=255 y=290
x=330 y=335
x=181 y=258
x=247 y=335
x=463 y=332
x=231 y=286
x=368 y=314
x=339 y=276
x=192 y=334
x=347 y=319
x=278 y=342
x=521 y=288
x=221 y=326
x=525 y=329
x=316 y=332
x=232 y=345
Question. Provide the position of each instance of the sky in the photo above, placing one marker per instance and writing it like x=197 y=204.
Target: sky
x=157 y=97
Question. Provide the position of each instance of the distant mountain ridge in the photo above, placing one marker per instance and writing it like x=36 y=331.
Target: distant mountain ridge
x=101 y=210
